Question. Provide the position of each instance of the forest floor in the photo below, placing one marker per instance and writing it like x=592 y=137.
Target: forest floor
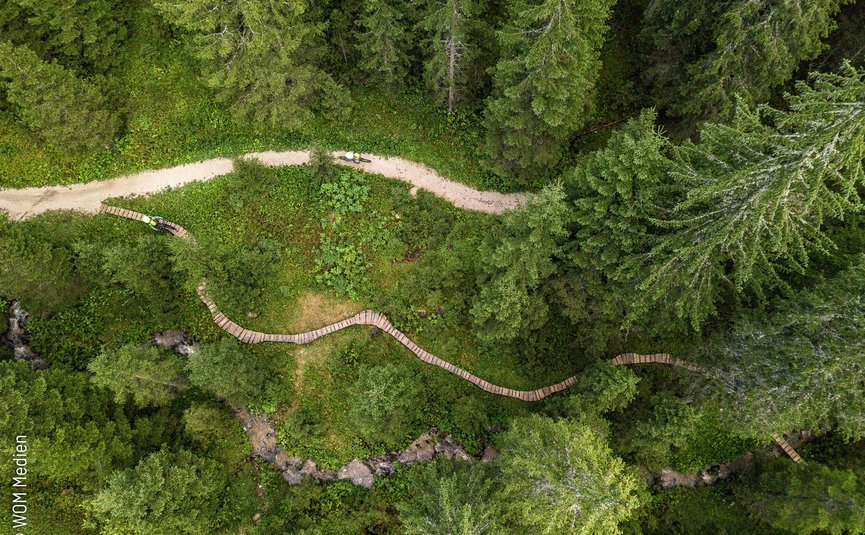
x=28 y=202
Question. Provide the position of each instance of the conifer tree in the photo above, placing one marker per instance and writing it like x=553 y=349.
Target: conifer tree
x=807 y=498
x=759 y=193
x=383 y=43
x=707 y=53
x=69 y=113
x=84 y=35
x=515 y=267
x=167 y=492
x=260 y=57
x=448 y=23
x=560 y=476
x=618 y=192
x=140 y=373
x=799 y=366
x=543 y=83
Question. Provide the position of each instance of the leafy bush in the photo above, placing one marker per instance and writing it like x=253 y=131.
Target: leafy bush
x=348 y=193
x=342 y=266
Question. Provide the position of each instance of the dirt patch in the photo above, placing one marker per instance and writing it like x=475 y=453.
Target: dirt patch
x=314 y=309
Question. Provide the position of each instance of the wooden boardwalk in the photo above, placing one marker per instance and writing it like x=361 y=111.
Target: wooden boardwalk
x=370 y=317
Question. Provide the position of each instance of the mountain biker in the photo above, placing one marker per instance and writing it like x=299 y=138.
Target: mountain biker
x=352 y=156
x=152 y=222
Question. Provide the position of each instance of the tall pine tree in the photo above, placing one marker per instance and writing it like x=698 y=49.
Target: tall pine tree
x=448 y=23
x=383 y=42
x=69 y=113
x=759 y=190
x=543 y=83
x=261 y=57
x=707 y=53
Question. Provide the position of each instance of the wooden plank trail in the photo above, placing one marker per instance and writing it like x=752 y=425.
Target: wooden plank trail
x=788 y=449
x=370 y=317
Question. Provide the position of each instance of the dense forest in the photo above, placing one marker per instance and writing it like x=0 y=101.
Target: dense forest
x=694 y=177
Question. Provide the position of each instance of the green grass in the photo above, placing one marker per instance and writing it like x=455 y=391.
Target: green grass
x=171 y=118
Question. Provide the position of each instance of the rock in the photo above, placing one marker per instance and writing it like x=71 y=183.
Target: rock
x=292 y=475
x=251 y=314
x=374 y=331
x=358 y=473
x=18 y=339
x=309 y=469
x=175 y=340
x=256 y=517
x=490 y=454
x=671 y=478
x=422 y=313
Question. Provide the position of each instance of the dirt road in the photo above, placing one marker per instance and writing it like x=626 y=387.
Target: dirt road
x=29 y=202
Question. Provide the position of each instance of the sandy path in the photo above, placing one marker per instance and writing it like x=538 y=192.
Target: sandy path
x=29 y=202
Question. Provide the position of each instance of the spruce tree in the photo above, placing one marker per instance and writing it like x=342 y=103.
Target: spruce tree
x=167 y=492
x=799 y=366
x=84 y=35
x=543 y=83
x=383 y=43
x=707 y=53
x=516 y=266
x=260 y=56
x=448 y=23
x=618 y=192
x=67 y=112
x=759 y=191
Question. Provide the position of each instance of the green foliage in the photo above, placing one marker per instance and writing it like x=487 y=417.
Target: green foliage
x=561 y=476
x=226 y=369
x=604 y=388
x=260 y=57
x=83 y=34
x=215 y=429
x=382 y=43
x=543 y=83
x=797 y=366
x=807 y=498
x=384 y=400
x=342 y=267
x=144 y=374
x=79 y=433
x=347 y=193
x=167 y=492
x=448 y=498
x=712 y=509
x=758 y=196
x=448 y=23
x=708 y=54
x=515 y=265
x=67 y=112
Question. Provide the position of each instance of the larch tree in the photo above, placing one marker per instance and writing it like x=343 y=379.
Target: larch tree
x=807 y=498
x=142 y=374
x=455 y=498
x=758 y=193
x=260 y=56
x=448 y=23
x=543 y=82
x=67 y=112
x=755 y=47
x=383 y=43
x=167 y=492
x=798 y=366
x=516 y=265
x=560 y=476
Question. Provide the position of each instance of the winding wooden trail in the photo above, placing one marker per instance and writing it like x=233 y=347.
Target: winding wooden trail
x=370 y=317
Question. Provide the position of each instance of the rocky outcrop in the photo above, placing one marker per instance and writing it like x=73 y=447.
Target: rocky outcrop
x=359 y=472
x=18 y=340
x=175 y=340
x=670 y=478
